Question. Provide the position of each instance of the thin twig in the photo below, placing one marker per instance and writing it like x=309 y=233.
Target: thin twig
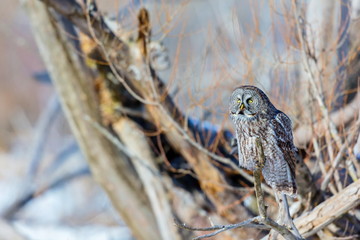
x=312 y=78
x=46 y=120
x=219 y=227
x=339 y=157
x=341 y=117
x=253 y=222
x=111 y=64
x=39 y=190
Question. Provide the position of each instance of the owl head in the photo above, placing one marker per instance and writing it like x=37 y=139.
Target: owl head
x=247 y=102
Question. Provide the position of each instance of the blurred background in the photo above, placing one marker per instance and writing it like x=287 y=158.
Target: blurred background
x=46 y=189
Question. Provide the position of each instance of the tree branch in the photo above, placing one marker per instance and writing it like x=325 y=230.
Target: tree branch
x=329 y=210
x=253 y=222
x=135 y=142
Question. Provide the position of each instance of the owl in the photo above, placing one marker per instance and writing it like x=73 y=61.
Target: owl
x=255 y=117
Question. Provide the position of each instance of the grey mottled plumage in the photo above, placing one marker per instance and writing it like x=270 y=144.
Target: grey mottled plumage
x=255 y=116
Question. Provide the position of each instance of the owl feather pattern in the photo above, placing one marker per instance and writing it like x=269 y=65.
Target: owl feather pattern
x=255 y=117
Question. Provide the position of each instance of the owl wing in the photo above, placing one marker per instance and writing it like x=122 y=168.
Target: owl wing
x=282 y=127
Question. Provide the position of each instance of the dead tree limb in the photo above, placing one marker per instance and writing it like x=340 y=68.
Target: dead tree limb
x=135 y=141
x=329 y=210
x=109 y=167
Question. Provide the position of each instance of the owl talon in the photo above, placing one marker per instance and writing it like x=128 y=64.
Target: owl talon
x=259 y=164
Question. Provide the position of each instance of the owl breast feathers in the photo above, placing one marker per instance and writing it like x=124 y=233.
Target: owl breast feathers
x=255 y=117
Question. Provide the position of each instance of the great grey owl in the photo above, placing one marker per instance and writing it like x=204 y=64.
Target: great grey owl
x=254 y=117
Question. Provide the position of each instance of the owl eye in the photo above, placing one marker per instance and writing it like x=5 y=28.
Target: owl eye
x=250 y=100
x=238 y=101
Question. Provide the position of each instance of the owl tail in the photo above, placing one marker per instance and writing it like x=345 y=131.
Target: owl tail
x=288 y=188
x=288 y=185
x=281 y=181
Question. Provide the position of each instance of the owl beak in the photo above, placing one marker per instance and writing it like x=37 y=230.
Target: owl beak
x=238 y=111
x=242 y=106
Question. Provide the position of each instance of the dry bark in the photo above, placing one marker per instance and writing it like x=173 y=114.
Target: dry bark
x=143 y=158
x=329 y=210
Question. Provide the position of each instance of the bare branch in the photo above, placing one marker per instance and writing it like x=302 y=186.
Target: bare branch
x=341 y=117
x=339 y=156
x=135 y=142
x=253 y=222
